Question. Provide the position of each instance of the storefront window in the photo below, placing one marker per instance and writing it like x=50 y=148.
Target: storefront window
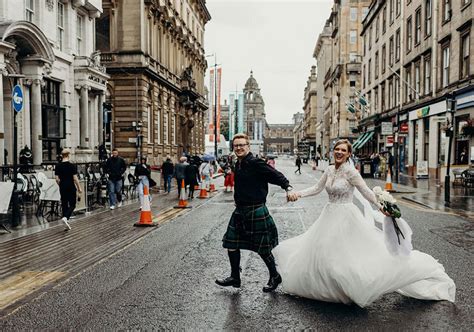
x=462 y=141
x=53 y=120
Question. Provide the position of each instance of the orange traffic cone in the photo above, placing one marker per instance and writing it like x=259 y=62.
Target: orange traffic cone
x=183 y=202
x=146 y=218
x=203 y=191
x=388 y=182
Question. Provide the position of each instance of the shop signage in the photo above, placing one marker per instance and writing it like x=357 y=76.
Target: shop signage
x=422 y=112
x=439 y=118
x=404 y=127
x=370 y=128
x=389 y=141
x=387 y=128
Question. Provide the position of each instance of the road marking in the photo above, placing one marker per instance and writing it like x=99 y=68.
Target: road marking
x=24 y=283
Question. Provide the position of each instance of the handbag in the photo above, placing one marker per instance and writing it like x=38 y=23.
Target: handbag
x=152 y=182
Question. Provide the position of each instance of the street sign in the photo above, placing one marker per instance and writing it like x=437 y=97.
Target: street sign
x=439 y=118
x=389 y=141
x=387 y=128
x=17 y=98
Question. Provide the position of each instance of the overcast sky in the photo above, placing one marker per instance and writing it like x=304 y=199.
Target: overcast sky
x=275 y=39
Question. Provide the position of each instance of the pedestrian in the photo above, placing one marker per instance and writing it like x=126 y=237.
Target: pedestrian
x=343 y=257
x=66 y=177
x=251 y=227
x=191 y=178
x=463 y=157
x=229 y=176
x=298 y=163
x=143 y=174
x=167 y=169
x=115 y=168
x=205 y=173
x=390 y=162
x=376 y=163
x=180 y=172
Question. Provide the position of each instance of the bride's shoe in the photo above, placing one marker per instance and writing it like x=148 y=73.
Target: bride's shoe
x=272 y=284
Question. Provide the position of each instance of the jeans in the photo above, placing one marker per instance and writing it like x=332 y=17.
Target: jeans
x=168 y=182
x=115 y=191
x=68 y=201
x=143 y=182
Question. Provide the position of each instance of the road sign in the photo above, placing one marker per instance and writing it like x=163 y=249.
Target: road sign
x=439 y=118
x=17 y=98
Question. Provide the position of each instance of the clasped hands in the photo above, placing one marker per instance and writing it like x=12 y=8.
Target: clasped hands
x=292 y=196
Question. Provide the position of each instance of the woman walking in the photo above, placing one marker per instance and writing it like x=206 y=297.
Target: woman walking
x=143 y=172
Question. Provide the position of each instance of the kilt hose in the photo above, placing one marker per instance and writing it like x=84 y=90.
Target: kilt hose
x=251 y=228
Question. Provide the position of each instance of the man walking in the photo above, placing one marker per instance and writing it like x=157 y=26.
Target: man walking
x=167 y=169
x=251 y=227
x=66 y=177
x=180 y=172
x=115 y=167
x=298 y=164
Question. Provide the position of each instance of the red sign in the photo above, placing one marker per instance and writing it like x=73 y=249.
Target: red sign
x=404 y=127
x=389 y=141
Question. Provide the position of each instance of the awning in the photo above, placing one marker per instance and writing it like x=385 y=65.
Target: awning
x=358 y=140
x=365 y=139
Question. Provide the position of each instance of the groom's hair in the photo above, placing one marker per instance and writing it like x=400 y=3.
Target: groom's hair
x=241 y=135
x=346 y=142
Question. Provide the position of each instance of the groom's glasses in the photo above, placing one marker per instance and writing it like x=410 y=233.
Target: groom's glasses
x=238 y=146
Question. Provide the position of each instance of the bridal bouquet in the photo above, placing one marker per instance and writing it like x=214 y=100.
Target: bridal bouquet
x=394 y=226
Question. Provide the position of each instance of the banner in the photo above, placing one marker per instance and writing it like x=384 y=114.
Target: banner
x=211 y=104
x=218 y=117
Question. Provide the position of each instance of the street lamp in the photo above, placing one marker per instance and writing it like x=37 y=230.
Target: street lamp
x=450 y=109
x=215 y=102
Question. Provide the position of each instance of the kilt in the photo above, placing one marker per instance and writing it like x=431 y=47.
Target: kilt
x=251 y=228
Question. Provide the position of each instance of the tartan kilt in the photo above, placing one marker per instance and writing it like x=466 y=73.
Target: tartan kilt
x=251 y=228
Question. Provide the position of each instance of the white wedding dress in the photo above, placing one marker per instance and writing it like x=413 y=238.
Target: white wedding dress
x=342 y=257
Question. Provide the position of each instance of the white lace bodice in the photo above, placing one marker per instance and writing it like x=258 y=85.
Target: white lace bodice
x=340 y=183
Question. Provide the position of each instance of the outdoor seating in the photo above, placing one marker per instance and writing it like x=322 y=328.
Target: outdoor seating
x=468 y=177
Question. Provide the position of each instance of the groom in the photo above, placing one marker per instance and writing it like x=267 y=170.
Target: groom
x=251 y=227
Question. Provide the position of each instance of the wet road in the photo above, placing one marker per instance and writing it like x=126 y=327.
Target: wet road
x=166 y=279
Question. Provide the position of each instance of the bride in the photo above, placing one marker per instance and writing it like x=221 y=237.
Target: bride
x=343 y=258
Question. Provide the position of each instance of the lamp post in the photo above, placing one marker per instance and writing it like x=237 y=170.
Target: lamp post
x=450 y=109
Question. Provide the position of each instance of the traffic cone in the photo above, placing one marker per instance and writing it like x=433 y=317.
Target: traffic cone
x=203 y=191
x=146 y=218
x=388 y=182
x=183 y=202
x=212 y=187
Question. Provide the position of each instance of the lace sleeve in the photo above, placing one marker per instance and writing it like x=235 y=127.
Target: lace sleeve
x=357 y=181
x=317 y=188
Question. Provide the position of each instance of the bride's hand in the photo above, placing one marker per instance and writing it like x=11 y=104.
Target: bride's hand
x=292 y=197
x=385 y=212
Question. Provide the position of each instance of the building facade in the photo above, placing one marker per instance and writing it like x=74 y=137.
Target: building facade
x=254 y=114
x=417 y=54
x=279 y=139
x=154 y=53
x=341 y=55
x=310 y=108
x=47 y=47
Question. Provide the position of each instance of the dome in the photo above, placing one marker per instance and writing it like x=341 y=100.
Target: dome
x=251 y=83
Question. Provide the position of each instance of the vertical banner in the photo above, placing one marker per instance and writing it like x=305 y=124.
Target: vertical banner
x=218 y=117
x=240 y=114
x=211 y=104
x=231 y=116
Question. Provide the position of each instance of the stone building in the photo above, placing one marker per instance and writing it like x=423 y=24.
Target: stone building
x=310 y=108
x=323 y=55
x=417 y=53
x=298 y=130
x=154 y=53
x=342 y=62
x=279 y=139
x=254 y=114
x=47 y=47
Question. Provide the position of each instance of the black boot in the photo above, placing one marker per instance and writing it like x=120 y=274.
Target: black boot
x=234 y=279
x=275 y=277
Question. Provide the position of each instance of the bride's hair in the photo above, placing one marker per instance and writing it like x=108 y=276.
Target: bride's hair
x=346 y=142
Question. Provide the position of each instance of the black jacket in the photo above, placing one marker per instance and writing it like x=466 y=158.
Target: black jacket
x=167 y=168
x=142 y=169
x=252 y=176
x=115 y=167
